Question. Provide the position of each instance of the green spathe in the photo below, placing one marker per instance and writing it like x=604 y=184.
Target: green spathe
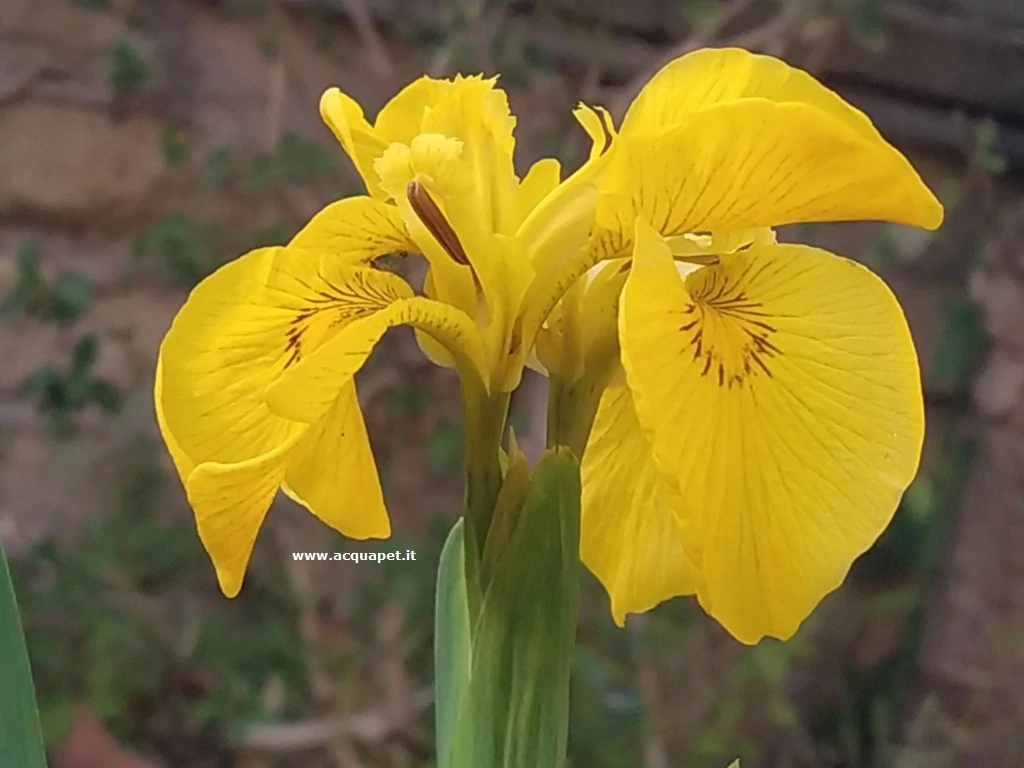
x=513 y=711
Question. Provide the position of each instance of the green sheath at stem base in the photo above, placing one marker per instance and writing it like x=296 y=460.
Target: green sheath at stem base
x=512 y=692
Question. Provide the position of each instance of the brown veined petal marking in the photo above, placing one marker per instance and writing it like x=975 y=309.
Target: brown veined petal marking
x=780 y=390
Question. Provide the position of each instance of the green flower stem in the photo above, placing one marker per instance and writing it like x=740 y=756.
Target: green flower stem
x=571 y=410
x=21 y=741
x=485 y=424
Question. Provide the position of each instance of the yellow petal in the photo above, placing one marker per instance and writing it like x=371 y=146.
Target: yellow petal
x=599 y=309
x=714 y=75
x=581 y=333
x=550 y=287
x=559 y=233
x=226 y=344
x=472 y=110
x=443 y=184
x=757 y=163
x=437 y=187
x=359 y=140
x=781 y=390
x=509 y=283
x=598 y=125
x=558 y=225
x=230 y=502
x=539 y=182
x=333 y=474
x=356 y=229
x=402 y=117
x=629 y=536
x=715 y=244
x=240 y=329
x=397 y=122
x=182 y=463
x=305 y=391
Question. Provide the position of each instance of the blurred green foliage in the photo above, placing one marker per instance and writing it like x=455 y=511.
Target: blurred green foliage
x=59 y=301
x=60 y=393
x=176 y=149
x=961 y=348
x=127 y=70
x=132 y=593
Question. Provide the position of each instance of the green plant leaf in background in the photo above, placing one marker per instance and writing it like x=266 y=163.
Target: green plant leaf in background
x=961 y=347
x=21 y=741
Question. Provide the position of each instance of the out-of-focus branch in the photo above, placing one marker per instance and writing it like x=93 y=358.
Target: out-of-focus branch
x=372 y=727
x=361 y=19
x=699 y=39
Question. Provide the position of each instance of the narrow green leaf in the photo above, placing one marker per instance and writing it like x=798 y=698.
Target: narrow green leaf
x=518 y=710
x=451 y=643
x=21 y=741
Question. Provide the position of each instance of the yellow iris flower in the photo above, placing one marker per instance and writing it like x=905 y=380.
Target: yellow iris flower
x=756 y=407
x=254 y=388
x=770 y=414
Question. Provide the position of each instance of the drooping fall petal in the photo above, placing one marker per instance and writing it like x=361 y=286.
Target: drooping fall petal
x=713 y=75
x=227 y=343
x=305 y=391
x=242 y=329
x=333 y=474
x=780 y=391
x=758 y=163
x=230 y=502
x=629 y=535
x=355 y=230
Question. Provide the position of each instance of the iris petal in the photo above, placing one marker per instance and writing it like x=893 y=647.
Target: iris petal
x=780 y=391
x=629 y=535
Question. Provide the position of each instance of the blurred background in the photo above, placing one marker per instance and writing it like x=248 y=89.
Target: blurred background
x=145 y=142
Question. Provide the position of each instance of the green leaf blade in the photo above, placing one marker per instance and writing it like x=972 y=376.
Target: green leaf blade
x=21 y=740
x=451 y=644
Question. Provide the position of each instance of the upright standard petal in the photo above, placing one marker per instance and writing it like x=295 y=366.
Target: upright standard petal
x=781 y=393
x=472 y=110
x=357 y=137
x=629 y=535
x=420 y=107
x=558 y=224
